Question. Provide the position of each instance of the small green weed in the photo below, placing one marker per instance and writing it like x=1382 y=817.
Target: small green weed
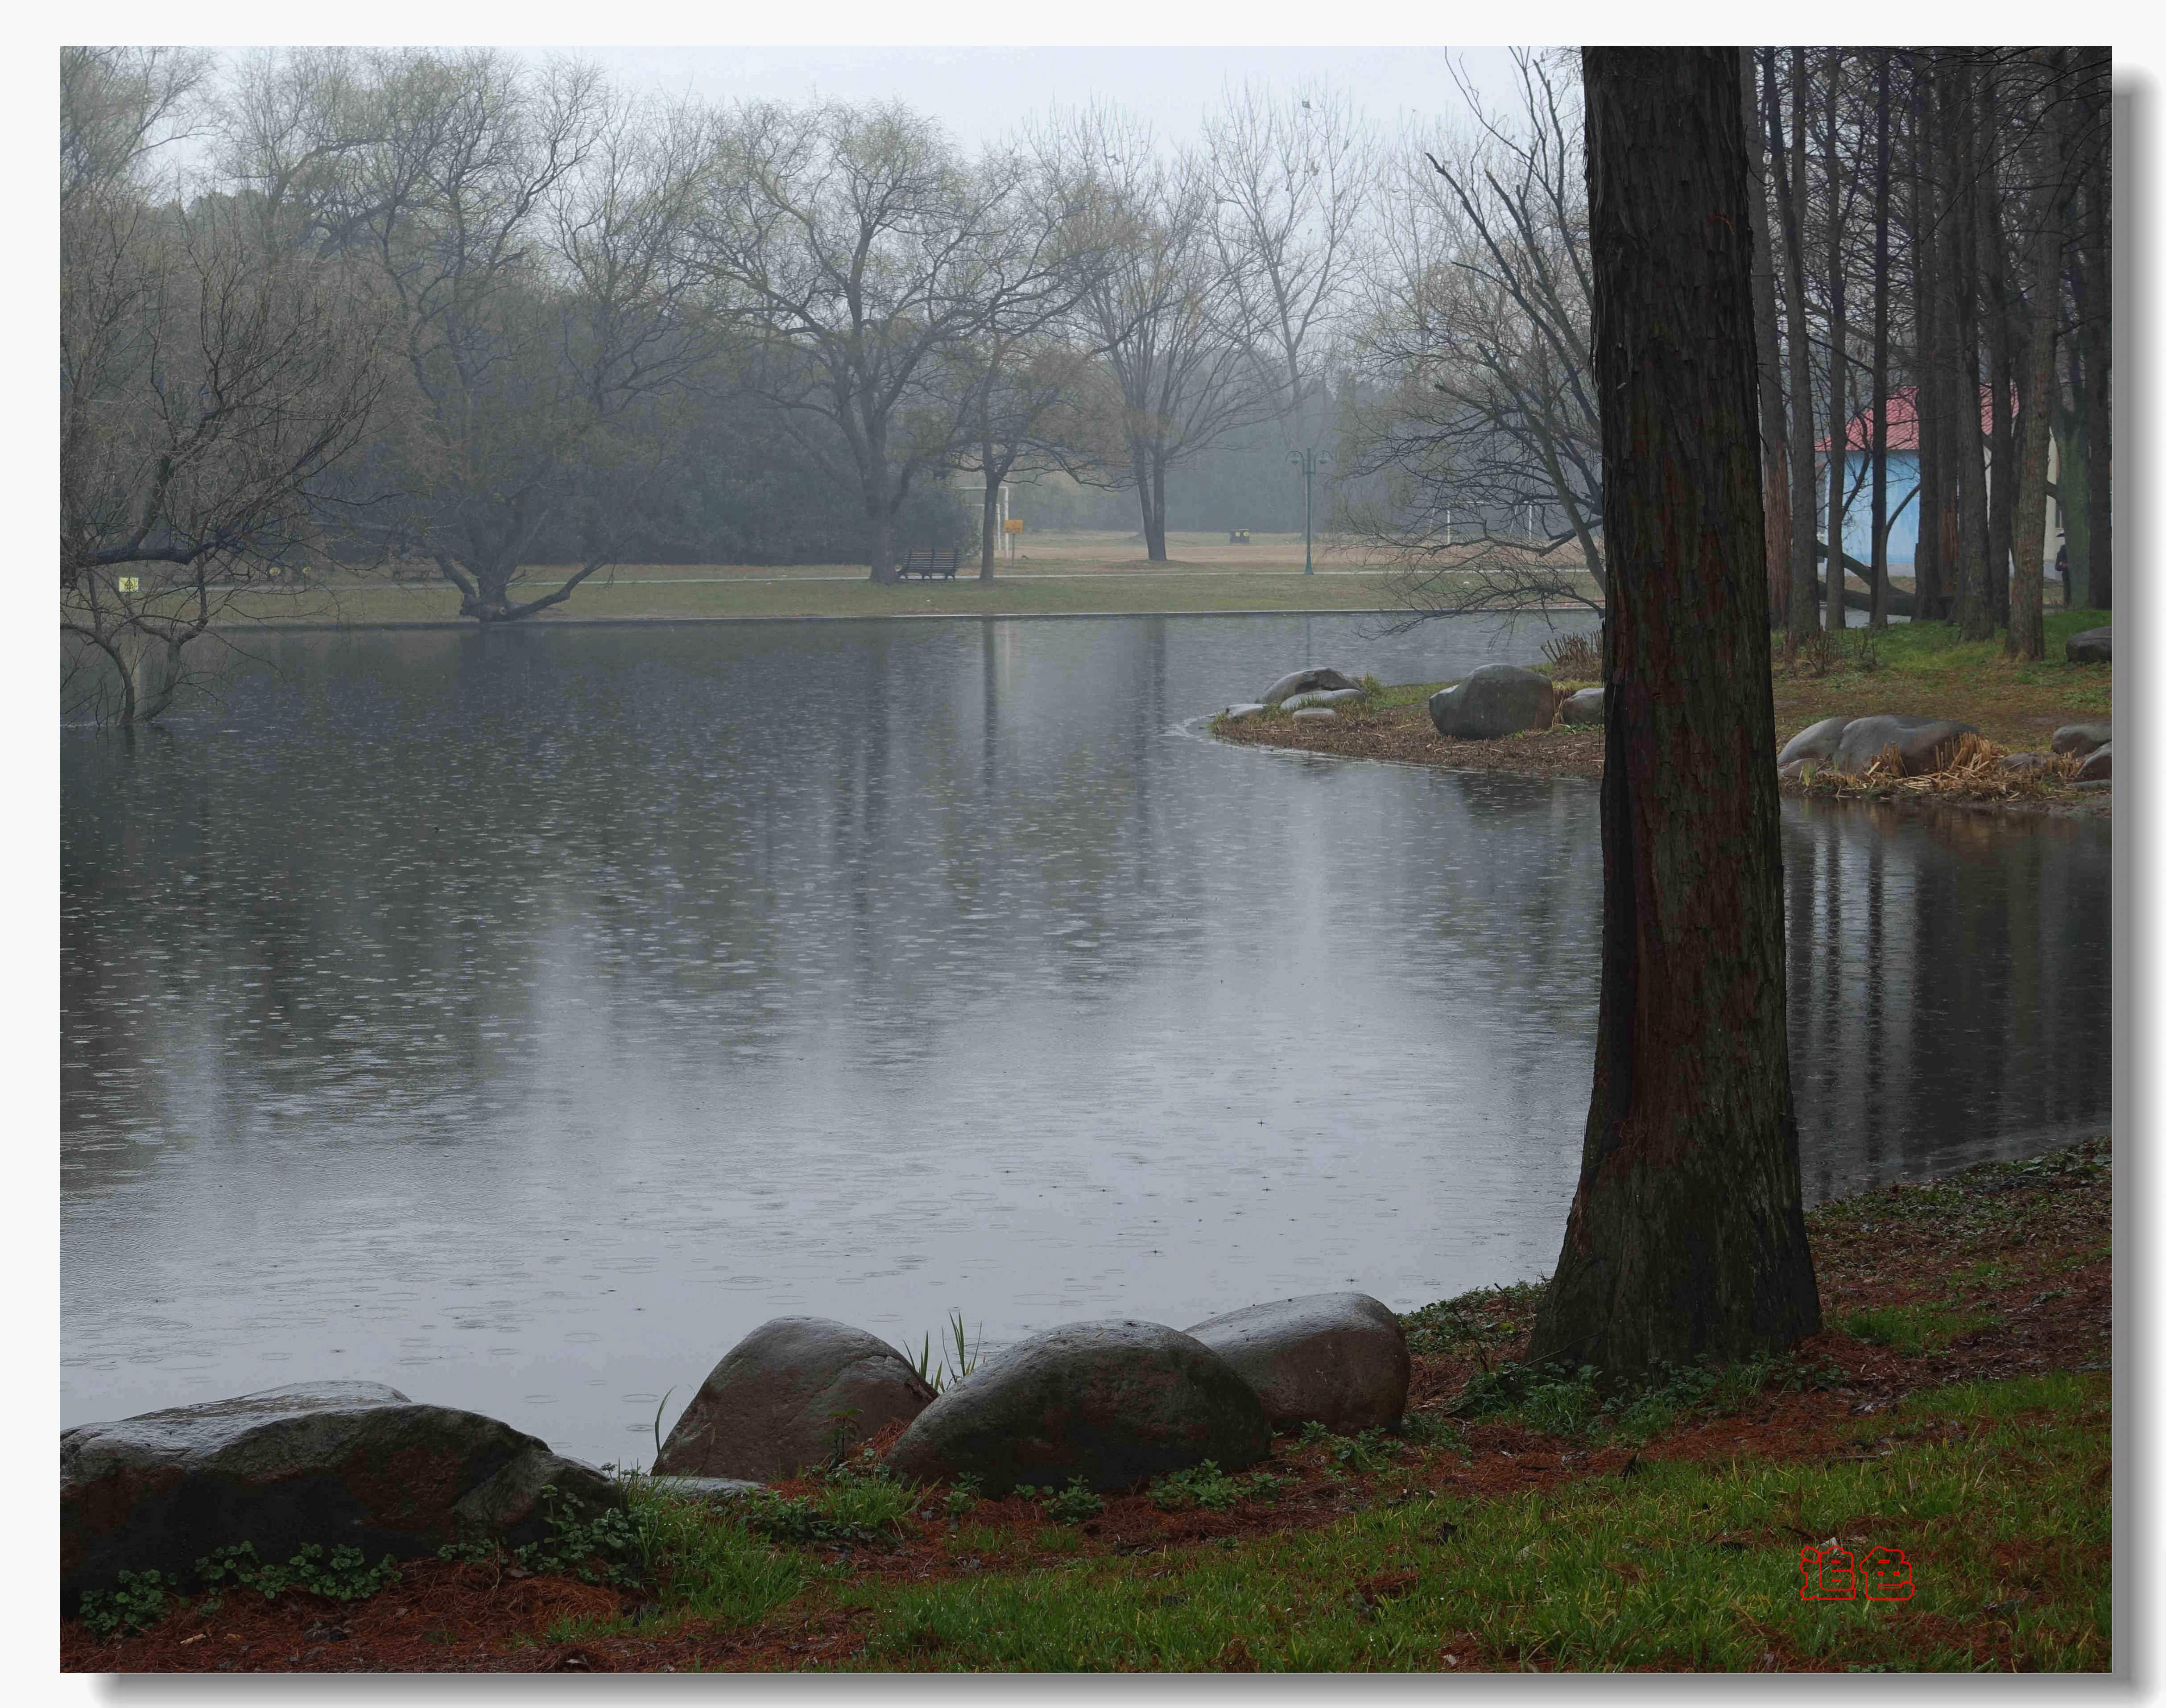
x=942 y=1376
x=1069 y=1505
x=137 y=1603
x=1198 y=1485
x=960 y=1498
x=345 y=1576
x=856 y=1503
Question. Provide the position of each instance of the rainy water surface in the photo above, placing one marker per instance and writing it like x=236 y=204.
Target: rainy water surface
x=520 y=1019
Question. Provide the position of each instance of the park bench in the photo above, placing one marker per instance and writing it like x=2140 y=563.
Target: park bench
x=925 y=562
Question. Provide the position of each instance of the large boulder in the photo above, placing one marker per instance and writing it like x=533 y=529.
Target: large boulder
x=1498 y=699
x=2097 y=766
x=1584 y=706
x=1114 y=1403
x=2081 y=738
x=769 y=1410
x=1815 y=743
x=1315 y=714
x=1924 y=743
x=335 y=1464
x=2092 y=646
x=1338 y=1359
x=1304 y=682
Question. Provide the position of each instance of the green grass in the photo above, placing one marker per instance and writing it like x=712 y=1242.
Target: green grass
x=1018 y=595
x=1914 y=1329
x=1683 y=1565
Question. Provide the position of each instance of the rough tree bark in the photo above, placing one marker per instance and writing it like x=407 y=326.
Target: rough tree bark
x=1687 y=1235
x=1879 y=618
x=1973 y=603
x=2027 y=601
x=1838 y=414
x=1804 y=615
x=1924 y=308
x=1774 y=452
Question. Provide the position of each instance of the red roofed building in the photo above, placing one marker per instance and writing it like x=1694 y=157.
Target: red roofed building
x=1902 y=477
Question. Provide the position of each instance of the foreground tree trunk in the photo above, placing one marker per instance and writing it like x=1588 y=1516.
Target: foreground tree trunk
x=1687 y=1235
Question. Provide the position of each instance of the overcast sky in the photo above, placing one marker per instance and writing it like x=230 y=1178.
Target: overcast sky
x=981 y=93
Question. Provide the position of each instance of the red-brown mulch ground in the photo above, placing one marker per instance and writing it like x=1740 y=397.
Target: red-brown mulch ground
x=2019 y=1253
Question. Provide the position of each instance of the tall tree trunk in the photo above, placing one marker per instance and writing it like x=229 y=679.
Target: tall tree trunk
x=2026 y=609
x=1158 y=510
x=1687 y=1234
x=1925 y=380
x=1804 y=502
x=988 y=527
x=881 y=520
x=2097 y=319
x=2004 y=343
x=1973 y=608
x=1838 y=333
x=1774 y=452
x=1878 y=617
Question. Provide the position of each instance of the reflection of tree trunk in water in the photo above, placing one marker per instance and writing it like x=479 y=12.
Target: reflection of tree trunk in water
x=1875 y=1053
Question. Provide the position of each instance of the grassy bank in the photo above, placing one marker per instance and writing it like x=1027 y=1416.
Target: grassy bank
x=1956 y=1407
x=1923 y=670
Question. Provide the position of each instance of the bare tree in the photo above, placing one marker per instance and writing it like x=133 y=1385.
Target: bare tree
x=1162 y=307
x=1028 y=390
x=526 y=230
x=1293 y=176
x=1477 y=335
x=209 y=378
x=848 y=244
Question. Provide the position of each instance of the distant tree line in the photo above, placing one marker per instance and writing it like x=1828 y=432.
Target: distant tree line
x=464 y=314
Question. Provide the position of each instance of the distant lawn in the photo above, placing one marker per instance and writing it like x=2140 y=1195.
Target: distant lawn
x=796 y=593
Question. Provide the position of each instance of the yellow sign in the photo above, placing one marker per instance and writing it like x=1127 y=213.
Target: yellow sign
x=129 y=584
x=1013 y=524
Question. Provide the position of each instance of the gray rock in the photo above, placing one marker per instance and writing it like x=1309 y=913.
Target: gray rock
x=1114 y=1403
x=708 y=1491
x=1925 y=744
x=2093 y=787
x=1584 y=706
x=1302 y=681
x=1315 y=714
x=1249 y=708
x=1322 y=696
x=1815 y=743
x=1338 y=1359
x=764 y=1412
x=2023 y=761
x=1498 y=699
x=335 y=1464
x=2081 y=738
x=2097 y=766
x=2092 y=646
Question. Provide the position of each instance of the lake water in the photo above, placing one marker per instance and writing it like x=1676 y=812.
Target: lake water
x=519 y=1019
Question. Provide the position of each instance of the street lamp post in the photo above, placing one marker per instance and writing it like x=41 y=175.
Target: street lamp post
x=1310 y=460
